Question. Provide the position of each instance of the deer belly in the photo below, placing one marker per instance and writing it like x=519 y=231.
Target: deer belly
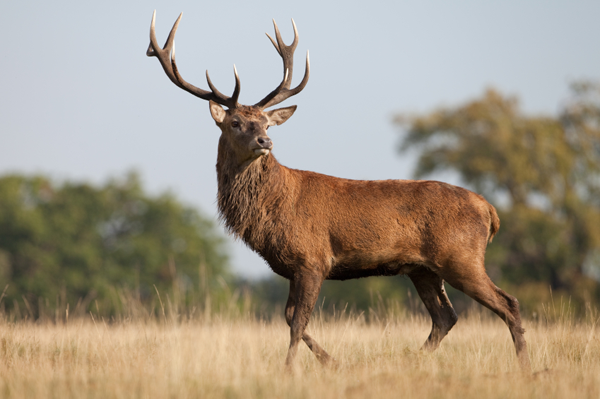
x=365 y=264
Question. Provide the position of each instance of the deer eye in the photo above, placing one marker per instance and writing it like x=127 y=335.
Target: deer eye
x=235 y=124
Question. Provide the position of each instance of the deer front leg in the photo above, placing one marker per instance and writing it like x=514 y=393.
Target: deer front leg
x=306 y=291
x=322 y=356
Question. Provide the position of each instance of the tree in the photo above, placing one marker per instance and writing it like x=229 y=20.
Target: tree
x=542 y=173
x=82 y=241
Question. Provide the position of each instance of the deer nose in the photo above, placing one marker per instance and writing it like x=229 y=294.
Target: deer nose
x=265 y=143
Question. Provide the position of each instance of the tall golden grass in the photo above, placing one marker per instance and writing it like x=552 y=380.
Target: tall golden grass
x=226 y=355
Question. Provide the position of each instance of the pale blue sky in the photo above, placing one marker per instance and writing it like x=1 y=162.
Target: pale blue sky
x=80 y=100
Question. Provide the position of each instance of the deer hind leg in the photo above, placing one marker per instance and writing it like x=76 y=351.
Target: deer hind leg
x=475 y=283
x=322 y=356
x=430 y=288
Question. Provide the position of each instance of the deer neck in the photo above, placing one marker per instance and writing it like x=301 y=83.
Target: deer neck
x=251 y=195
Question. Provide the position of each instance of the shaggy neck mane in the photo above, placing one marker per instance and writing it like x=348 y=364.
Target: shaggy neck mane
x=251 y=197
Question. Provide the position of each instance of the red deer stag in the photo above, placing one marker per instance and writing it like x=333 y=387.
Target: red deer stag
x=311 y=227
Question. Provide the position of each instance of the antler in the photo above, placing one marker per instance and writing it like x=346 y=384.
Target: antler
x=166 y=56
x=283 y=91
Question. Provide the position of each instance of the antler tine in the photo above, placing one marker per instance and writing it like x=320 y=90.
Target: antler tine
x=163 y=54
x=236 y=91
x=283 y=91
x=295 y=42
x=304 y=81
x=166 y=56
x=274 y=43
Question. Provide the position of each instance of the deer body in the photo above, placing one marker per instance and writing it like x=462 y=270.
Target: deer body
x=310 y=227
x=349 y=228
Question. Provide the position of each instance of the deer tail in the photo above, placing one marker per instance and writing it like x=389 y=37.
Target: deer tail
x=495 y=222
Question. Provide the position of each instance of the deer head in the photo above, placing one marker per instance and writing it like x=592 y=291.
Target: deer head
x=243 y=128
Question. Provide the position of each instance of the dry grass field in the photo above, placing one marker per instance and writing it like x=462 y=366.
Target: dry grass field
x=241 y=357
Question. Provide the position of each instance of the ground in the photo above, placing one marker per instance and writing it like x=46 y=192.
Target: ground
x=241 y=357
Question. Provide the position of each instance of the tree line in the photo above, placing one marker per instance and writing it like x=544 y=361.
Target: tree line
x=77 y=243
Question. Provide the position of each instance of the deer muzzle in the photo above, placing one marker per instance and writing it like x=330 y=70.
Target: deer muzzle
x=265 y=145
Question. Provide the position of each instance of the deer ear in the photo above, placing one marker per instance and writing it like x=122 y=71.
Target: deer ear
x=278 y=116
x=217 y=112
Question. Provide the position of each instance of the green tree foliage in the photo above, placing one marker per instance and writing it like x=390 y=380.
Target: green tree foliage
x=78 y=241
x=541 y=172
